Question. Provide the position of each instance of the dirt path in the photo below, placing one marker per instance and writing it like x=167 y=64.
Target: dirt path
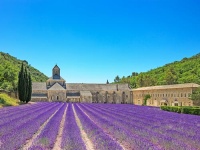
x=29 y=143
x=57 y=145
x=123 y=147
x=87 y=141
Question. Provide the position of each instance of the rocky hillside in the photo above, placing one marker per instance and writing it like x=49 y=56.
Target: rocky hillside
x=9 y=68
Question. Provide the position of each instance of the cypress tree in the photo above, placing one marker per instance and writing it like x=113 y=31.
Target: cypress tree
x=24 y=85
x=21 y=83
x=29 y=88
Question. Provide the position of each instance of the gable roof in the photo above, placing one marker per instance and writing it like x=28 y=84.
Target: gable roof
x=96 y=87
x=85 y=93
x=56 y=87
x=56 y=66
x=39 y=86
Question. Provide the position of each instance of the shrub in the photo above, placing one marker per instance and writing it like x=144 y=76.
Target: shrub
x=185 y=109
x=5 y=100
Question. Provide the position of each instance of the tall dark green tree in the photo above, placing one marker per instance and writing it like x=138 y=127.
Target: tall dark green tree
x=29 y=88
x=107 y=82
x=24 y=85
x=21 y=83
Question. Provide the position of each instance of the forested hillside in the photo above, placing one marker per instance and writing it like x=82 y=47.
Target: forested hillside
x=9 y=69
x=185 y=71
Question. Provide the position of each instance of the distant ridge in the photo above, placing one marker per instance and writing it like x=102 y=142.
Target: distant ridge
x=9 y=68
x=185 y=71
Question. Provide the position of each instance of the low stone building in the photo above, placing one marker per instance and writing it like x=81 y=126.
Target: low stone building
x=171 y=95
x=56 y=89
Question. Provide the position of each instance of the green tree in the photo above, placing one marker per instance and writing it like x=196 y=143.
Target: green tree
x=170 y=76
x=21 y=84
x=146 y=97
x=140 y=80
x=117 y=79
x=195 y=96
x=29 y=88
x=107 y=82
x=24 y=85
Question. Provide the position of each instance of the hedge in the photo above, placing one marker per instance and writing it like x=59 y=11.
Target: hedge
x=182 y=109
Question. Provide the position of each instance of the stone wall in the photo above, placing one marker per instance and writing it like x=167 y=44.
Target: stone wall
x=170 y=97
x=57 y=95
x=116 y=97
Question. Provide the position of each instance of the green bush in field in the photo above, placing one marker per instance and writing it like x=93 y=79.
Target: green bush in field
x=182 y=109
x=5 y=100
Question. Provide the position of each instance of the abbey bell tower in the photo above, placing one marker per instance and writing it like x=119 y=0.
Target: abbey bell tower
x=56 y=72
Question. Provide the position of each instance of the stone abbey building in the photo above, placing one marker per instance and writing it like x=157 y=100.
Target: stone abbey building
x=56 y=89
x=170 y=95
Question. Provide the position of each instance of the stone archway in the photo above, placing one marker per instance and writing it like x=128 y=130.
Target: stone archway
x=123 y=98
x=97 y=97
x=114 y=98
x=164 y=102
x=106 y=97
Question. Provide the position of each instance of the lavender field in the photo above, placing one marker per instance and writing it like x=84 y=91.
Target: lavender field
x=65 y=126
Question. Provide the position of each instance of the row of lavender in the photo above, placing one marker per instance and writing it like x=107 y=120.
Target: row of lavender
x=19 y=124
x=136 y=127
x=107 y=127
x=71 y=137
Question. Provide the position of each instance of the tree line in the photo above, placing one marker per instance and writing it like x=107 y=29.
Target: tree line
x=9 y=68
x=185 y=71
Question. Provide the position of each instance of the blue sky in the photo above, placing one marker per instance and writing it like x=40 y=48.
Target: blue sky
x=93 y=41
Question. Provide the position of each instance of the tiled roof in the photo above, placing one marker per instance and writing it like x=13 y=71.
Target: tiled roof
x=96 y=87
x=56 y=87
x=186 y=85
x=82 y=87
x=39 y=86
x=85 y=93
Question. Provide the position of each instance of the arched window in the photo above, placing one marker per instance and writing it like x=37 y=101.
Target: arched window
x=123 y=98
x=97 y=97
x=114 y=98
x=106 y=97
x=57 y=97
